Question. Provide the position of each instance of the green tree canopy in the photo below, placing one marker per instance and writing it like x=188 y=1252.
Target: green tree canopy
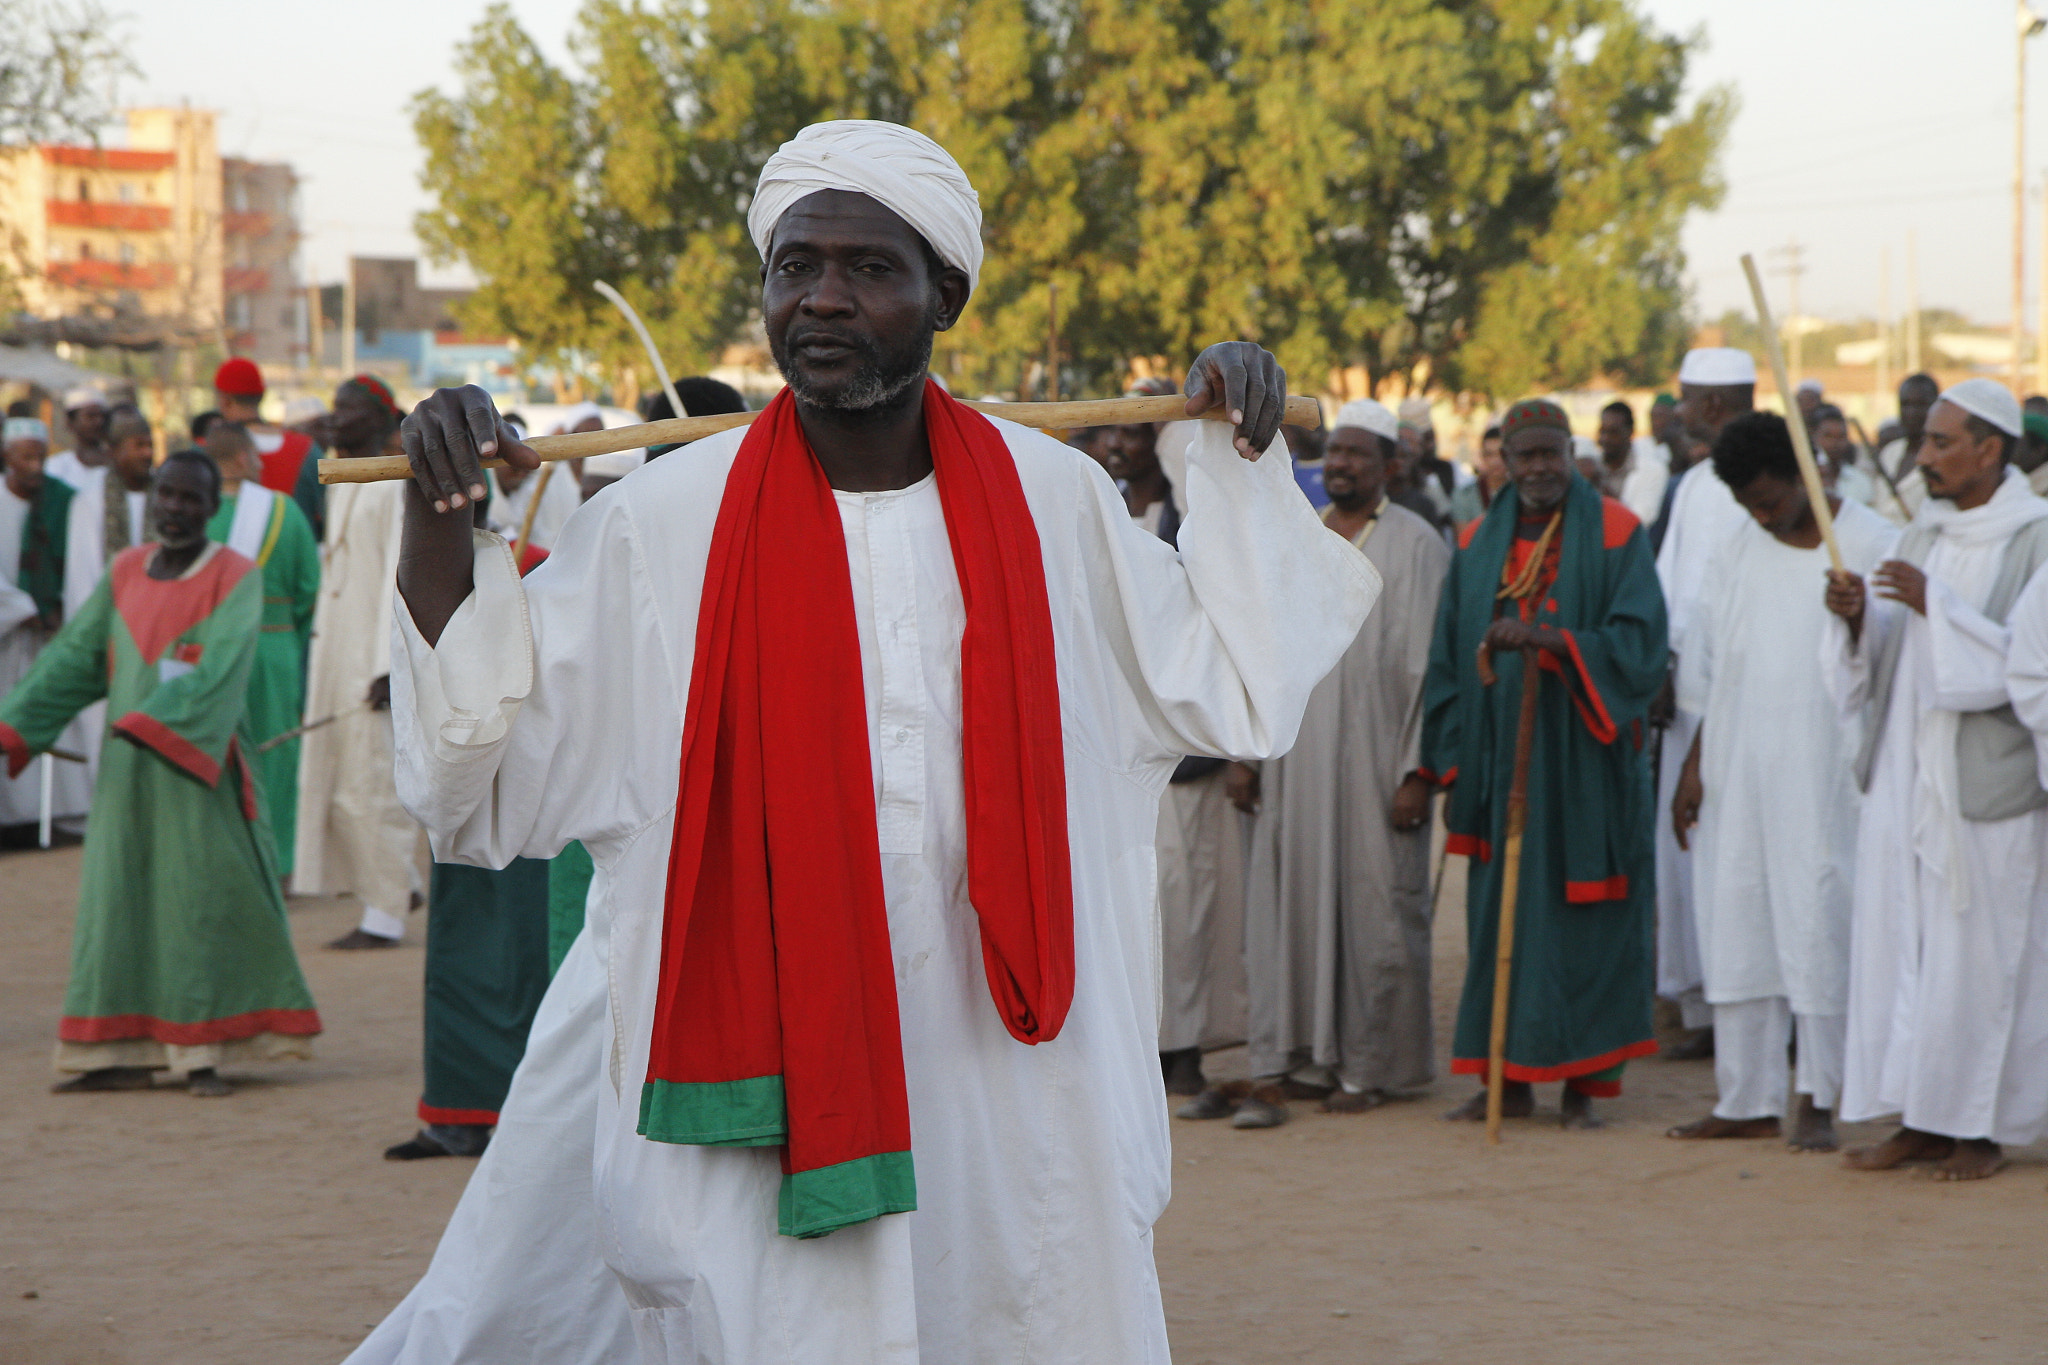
x=1481 y=195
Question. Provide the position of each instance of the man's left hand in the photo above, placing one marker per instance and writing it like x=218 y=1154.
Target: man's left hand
x=1902 y=582
x=1249 y=382
x=1509 y=633
x=1410 y=808
x=379 y=697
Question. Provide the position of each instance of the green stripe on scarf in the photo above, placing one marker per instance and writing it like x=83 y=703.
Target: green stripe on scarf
x=746 y=1113
x=833 y=1197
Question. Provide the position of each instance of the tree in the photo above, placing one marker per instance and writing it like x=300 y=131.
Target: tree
x=1478 y=195
x=60 y=61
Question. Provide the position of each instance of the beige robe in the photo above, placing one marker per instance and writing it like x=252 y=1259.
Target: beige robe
x=1337 y=912
x=1201 y=916
x=353 y=835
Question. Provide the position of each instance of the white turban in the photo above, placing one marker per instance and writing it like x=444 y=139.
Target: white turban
x=1367 y=415
x=895 y=166
x=617 y=465
x=1415 y=414
x=1990 y=400
x=578 y=415
x=1712 y=367
x=25 y=429
x=84 y=396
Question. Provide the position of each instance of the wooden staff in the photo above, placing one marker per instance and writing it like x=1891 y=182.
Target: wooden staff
x=576 y=445
x=540 y=490
x=1809 y=468
x=288 y=736
x=1510 y=882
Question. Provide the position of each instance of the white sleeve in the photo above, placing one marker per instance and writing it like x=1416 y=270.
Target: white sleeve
x=2026 y=665
x=16 y=606
x=1222 y=643
x=1969 y=652
x=1845 y=661
x=1695 y=674
x=549 y=711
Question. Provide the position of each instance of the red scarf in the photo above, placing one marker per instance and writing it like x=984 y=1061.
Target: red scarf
x=776 y=1019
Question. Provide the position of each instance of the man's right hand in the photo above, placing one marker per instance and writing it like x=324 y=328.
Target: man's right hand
x=1241 y=786
x=1845 y=599
x=448 y=437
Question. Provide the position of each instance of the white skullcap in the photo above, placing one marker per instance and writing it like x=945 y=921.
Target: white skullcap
x=1367 y=415
x=84 y=396
x=614 y=466
x=25 y=429
x=1990 y=400
x=1712 y=366
x=578 y=415
x=1415 y=413
x=898 y=167
x=1807 y=386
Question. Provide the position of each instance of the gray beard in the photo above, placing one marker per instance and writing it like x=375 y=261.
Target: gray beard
x=873 y=387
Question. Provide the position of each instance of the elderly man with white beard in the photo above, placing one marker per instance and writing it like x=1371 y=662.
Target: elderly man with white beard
x=863 y=712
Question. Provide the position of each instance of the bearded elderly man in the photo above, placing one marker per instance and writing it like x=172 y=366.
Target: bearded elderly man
x=863 y=713
x=1557 y=585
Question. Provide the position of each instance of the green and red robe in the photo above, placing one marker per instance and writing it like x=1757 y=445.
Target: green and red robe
x=487 y=968
x=182 y=955
x=1579 y=1003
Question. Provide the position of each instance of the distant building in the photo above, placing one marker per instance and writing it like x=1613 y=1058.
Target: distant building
x=400 y=322
x=265 y=309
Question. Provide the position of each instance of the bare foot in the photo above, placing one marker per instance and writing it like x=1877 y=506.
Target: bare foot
x=1575 y=1111
x=1973 y=1159
x=107 y=1078
x=1343 y=1101
x=1713 y=1126
x=206 y=1084
x=1908 y=1144
x=1813 y=1130
x=1517 y=1101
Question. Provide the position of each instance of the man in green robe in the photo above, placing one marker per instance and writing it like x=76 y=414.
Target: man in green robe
x=33 y=511
x=268 y=528
x=1558 y=575
x=182 y=957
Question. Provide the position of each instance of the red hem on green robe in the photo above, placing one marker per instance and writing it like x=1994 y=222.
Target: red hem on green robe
x=172 y=746
x=1469 y=846
x=1615 y=888
x=430 y=1113
x=15 y=747
x=1564 y=1071
x=115 y=1028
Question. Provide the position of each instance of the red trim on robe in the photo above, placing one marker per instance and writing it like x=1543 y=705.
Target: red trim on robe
x=531 y=557
x=1476 y=1066
x=1591 y=893
x=1469 y=530
x=1592 y=708
x=1469 y=846
x=1617 y=524
x=1592 y=1089
x=248 y=779
x=281 y=466
x=158 y=610
x=117 y=1028
x=430 y=1113
x=16 y=749
x=173 y=747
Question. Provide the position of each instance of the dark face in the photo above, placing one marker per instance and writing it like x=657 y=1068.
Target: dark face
x=589 y=424
x=359 y=422
x=236 y=458
x=1699 y=411
x=850 y=302
x=183 y=502
x=25 y=466
x=1832 y=436
x=1780 y=506
x=88 y=424
x=132 y=458
x=236 y=409
x=1956 y=463
x=1540 y=466
x=1616 y=434
x=1354 y=468
x=1808 y=399
x=1133 y=451
x=1915 y=400
x=1493 y=469
x=1096 y=445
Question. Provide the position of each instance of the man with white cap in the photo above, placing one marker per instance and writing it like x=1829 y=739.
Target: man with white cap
x=1716 y=384
x=33 y=511
x=86 y=414
x=1337 y=906
x=1948 y=972
x=863 y=712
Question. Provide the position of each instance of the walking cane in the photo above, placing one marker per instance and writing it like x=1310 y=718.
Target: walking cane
x=1510 y=881
x=540 y=490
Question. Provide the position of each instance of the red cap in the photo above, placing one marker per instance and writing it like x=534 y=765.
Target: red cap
x=238 y=377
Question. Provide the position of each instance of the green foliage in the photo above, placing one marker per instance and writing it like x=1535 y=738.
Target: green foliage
x=1480 y=195
x=60 y=63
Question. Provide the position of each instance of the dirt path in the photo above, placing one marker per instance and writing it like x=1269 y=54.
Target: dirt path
x=154 y=1229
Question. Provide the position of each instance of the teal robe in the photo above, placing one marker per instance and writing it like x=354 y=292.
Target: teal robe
x=487 y=969
x=181 y=935
x=1580 y=996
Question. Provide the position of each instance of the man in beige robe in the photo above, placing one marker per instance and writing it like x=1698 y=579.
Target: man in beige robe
x=1337 y=912
x=353 y=835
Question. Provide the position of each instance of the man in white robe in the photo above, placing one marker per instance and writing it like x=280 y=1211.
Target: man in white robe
x=513 y=490
x=353 y=835
x=553 y=710
x=1337 y=913
x=1899 y=497
x=1633 y=469
x=1768 y=784
x=32 y=516
x=1948 y=975
x=85 y=415
x=1716 y=385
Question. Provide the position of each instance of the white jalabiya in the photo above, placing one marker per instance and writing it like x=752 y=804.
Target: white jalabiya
x=1901 y=506
x=557 y=504
x=66 y=465
x=353 y=834
x=1704 y=517
x=2026 y=666
x=1648 y=471
x=1775 y=851
x=1948 y=975
x=250 y=525
x=553 y=709
x=21 y=639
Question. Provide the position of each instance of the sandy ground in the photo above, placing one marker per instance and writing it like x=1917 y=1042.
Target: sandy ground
x=266 y=1229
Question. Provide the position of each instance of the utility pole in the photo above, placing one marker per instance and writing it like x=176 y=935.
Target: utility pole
x=348 y=320
x=1794 y=257
x=1912 y=302
x=1052 y=338
x=2027 y=24
x=1883 y=377
x=2041 y=292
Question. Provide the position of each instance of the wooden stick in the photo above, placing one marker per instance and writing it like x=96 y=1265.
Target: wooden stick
x=1809 y=468
x=575 y=445
x=267 y=745
x=540 y=490
x=1510 y=887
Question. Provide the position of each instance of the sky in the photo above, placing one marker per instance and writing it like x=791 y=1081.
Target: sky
x=1860 y=122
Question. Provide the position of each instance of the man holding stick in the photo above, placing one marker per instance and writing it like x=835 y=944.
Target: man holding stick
x=1555 y=584
x=863 y=713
